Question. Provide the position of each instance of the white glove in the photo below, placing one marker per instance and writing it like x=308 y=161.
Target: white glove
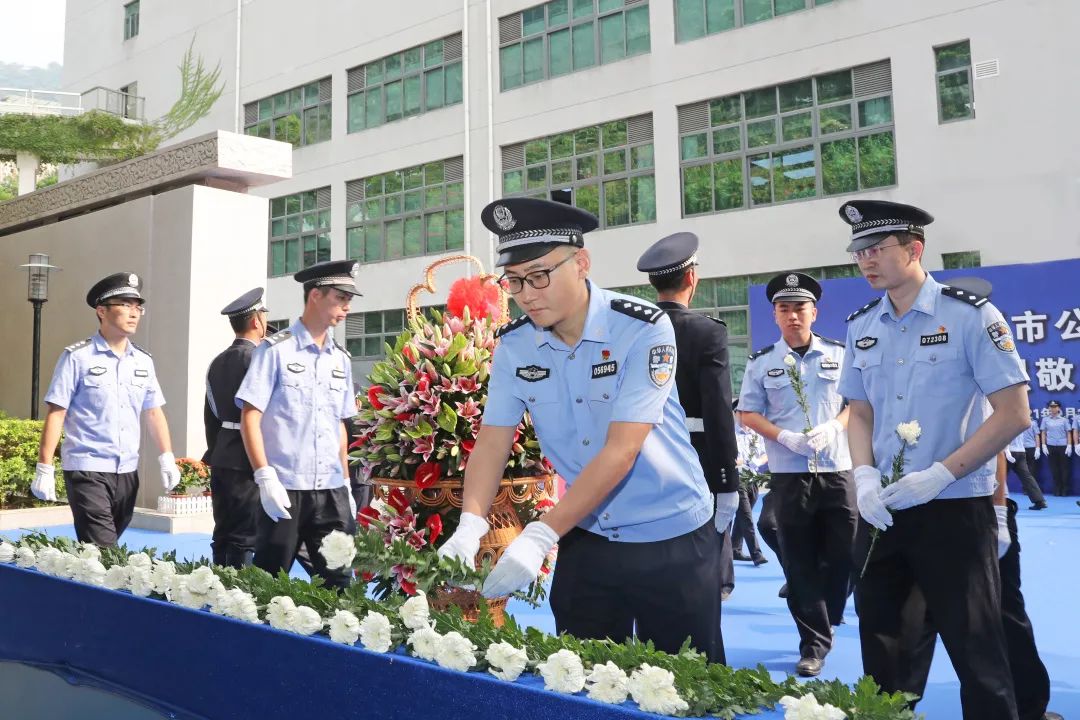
x=917 y=488
x=520 y=562
x=170 y=474
x=44 y=485
x=1068 y=450
x=1038 y=452
x=795 y=442
x=352 y=503
x=1045 y=451
x=825 y=435
x=465 y=542
x=726 y=505
x=272 y=494
x=868 y=497
x=1003 y=538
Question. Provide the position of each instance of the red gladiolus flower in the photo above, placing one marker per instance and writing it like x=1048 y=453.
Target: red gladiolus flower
x=366 y=515
x=367 y=576
x=427 y=474
x=468 y=445
x=397 y=500
x=408 y=352
x=373 y=397
x=403 y=417
x=434 y=526
x=409 y=588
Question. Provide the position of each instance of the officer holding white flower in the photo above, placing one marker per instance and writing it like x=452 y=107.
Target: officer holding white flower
x=99 y=391
x=595 y=370
x=808 y=457
x=929 y=353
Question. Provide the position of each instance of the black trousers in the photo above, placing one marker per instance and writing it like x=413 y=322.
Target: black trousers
x=947 y=551
x=235 y=498
x=1059 y=469
x=1030 y=679
x=1020 y=466
x=102 y=504
x=768 y=526
x=667 y=589
x=817 y=516
x=743 y=530
x=315 y=514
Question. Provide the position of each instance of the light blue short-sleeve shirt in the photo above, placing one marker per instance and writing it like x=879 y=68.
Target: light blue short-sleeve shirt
x=1030 y=436
x=934 y=365
x=304 y=392
x=767 y=390
x=104 y=395
x=621 y=370
x=1056 y=430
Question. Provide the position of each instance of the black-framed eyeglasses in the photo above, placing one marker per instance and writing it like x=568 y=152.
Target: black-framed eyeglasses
x=538 y=279
x=129 y=306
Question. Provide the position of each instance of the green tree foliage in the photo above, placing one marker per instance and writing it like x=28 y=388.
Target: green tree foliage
x=18 y=457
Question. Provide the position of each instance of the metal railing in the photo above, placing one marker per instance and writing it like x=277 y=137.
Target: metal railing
x=53 y=102
x=113 y=101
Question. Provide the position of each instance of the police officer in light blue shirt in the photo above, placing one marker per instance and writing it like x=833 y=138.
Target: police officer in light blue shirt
x=1056 y=437
x=99 y=391
x=295 y=398
x=929 y=353
x=595 y=370
x=811 y=489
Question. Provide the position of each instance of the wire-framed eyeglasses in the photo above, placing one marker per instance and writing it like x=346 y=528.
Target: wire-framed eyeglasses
x=538 y=279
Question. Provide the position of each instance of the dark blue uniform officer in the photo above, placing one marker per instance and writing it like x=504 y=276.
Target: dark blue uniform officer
x=234 y=492
x=595 y=370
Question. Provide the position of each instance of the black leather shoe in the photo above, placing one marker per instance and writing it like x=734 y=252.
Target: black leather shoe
x=809 y=667
x=740 y=555
x=1053 y=715
x=783 y=591
x=760 y=559
x=1038 y=506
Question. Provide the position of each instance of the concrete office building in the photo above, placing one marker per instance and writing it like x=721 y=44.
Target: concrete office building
x=746 y=121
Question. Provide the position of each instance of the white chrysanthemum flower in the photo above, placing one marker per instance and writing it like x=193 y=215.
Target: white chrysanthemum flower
x=563 y=672
x=278 y=612
x=653 y=689
x=789 y=361
x=808 y=708
x=507 y=662
x=180 y=593
x=608 y=683
x=142 y=583
x=201 y=580
x=7 y=552
x=118 y=577
x=339 y=550
x=48 y=559
x=25 y=557
x=243 y=606
x=140 y=559
x=88 y=551
x=305 y=620
x=223 y=604
x=71 y=566
x=414 y=612
x=90 y=571
x=909 y=432
x=344 y=627
x=425 y=643
x=375 y=632
x=161 y=575
x=455 y=652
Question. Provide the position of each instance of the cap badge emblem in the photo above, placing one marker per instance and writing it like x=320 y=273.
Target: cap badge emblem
x=354 y=269
x=853 y=214
x=792 y=280
x=133 y=280
x=503 y=218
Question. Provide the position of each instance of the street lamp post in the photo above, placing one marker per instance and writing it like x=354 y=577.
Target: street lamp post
x=37 y=293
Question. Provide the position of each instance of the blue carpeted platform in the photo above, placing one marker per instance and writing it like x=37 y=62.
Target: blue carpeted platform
x=758 y=629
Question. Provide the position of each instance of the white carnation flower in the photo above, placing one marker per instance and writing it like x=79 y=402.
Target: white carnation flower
x=161 y=575
x=807 y=708
x=139 y=559
x=607 y=683
x=7 y=552
x=243 y=606
x=88 y=551
x=305 y=620
x=455 y=652
x=563 y=672
x=90 y=571
x=507 y=662
x=201 y=580
x=48 y=559
x=278 y=612
x=25 y=557
x=909 y=432
x=375 y=632
x=344 y=627
x=118 y=577
x=414 y=612
x=789 y=361
x=223 y=604
x=653 y=689
x=142 y=584
x=180 y=593
x=425 y=643
x=339 y=550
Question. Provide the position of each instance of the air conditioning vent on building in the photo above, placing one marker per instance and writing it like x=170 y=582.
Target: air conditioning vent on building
x=633 y=2
x=354 y=325
x=322 y=198
x=357 y=78
x=510 y=28
x=639 y=129
x=452 y=48
x=251 y=113
x=987 y=69
x=325 y=90
x=454 y=170
x=873 y=79
x=354 y=191
x=513 y=156
x=694 y=118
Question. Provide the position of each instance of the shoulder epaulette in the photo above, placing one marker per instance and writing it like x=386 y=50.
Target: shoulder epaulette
x=342 y=348
x=512 y=325
x=277 y=337
x=638 y=311
x=716 y=320
x=762 y=351
x=831 y=341
x=75 y=346
x=143 y=350
x=860 y=311
x=964 y=296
